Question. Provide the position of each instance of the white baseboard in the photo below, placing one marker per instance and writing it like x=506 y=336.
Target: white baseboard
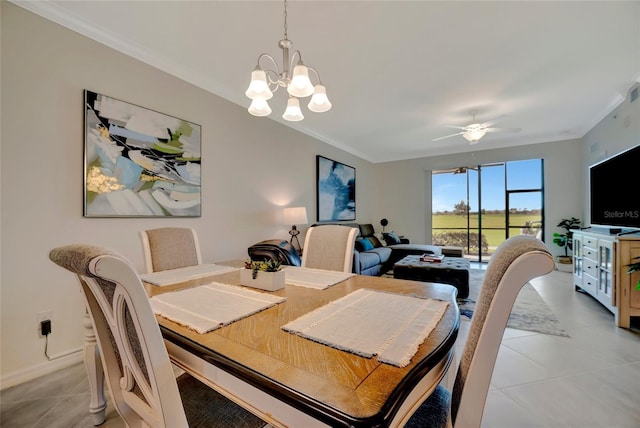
x=25 y=375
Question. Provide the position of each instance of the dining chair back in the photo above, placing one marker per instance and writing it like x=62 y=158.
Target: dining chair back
x=516 y=261
x=329 y=247
x=170 y=248
x=134 y=358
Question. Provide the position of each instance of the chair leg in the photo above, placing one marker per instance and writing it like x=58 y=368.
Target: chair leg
x=95 y=375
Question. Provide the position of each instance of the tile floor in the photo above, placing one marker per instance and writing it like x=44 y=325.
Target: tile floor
x=591 y=379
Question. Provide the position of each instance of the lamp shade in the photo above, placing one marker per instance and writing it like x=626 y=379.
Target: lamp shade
x=300 y=85
x=258 y=87
x=293 y=112
x=295 y=215
x=319 y=101
x=260 y=108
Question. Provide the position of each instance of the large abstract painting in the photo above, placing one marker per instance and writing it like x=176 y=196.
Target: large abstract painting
x=138 y=162
x=336 y=192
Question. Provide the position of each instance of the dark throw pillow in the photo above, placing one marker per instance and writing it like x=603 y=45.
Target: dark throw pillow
x=375 y=241
x=391 y=238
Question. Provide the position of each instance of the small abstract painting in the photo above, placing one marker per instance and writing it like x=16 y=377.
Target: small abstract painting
x=336 y=192
x=138 y=162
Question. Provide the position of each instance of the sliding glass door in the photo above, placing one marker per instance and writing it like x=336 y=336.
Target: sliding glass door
x=479 y=207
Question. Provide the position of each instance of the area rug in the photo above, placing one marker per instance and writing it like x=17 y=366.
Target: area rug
x=530 y=312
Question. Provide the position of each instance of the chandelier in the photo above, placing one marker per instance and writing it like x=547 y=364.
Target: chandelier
x=264 y=82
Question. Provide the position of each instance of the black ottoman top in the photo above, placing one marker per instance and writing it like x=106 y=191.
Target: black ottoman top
x=446 y=263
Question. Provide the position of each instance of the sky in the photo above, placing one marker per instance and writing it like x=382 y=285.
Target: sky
x=450 y=189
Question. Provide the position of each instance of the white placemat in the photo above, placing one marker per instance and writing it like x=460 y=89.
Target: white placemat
x=369 y=323
x=173 y=276
x=208 y=307
x=313 y=278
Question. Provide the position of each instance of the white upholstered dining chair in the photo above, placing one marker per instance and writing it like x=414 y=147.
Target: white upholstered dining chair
x=170 y=248
x=515 y=262
x=134 y=358
x=329 y=247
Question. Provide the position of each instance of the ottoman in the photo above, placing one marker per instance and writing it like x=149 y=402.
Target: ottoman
x=451 y=270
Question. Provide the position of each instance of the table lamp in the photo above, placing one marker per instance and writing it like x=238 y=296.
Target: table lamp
x=293 y=216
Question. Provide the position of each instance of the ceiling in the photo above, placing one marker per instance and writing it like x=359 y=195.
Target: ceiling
x=396 y=72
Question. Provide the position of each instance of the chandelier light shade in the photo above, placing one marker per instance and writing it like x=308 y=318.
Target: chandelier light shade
x=319 y=102
x=259 y=88
x=259 y=108
x=294 y=76
x=293 y=112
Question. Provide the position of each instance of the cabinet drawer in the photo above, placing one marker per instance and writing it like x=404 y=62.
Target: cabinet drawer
x=589 y=242
x=590 y=267
x=590 y=253
x=589 y=284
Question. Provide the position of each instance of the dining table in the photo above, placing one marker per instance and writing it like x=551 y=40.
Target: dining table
x=292 y=381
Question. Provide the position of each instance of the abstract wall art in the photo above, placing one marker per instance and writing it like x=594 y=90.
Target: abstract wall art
x=336 y=190
x=139 y=162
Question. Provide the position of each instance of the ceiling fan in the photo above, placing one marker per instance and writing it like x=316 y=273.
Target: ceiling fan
x=475 y=131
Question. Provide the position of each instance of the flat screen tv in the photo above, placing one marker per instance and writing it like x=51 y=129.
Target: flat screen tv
x=614 y=184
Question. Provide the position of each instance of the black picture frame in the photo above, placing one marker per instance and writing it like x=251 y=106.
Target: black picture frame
x=335 y=190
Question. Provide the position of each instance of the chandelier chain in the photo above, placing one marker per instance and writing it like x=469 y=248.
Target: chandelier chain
x=285 y=19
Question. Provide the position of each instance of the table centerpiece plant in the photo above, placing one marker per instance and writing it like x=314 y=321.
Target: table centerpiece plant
x=262 y=266
x=266 y=274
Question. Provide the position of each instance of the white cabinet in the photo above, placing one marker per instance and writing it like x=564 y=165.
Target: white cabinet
x=594 y=268
x=600 y=268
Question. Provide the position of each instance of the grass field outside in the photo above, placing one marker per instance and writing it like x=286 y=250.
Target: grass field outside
x=451 y=229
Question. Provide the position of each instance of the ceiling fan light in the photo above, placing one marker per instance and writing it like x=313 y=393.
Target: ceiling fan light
x=259 y=108
x=474 y=135
x=258 y=88
x=300 y=85
x=319 y=102
x=293 y=112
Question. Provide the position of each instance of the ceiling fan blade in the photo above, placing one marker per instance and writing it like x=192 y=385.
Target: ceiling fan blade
x=448 y=136
x=492 y=122
x=464 y=128
x=504 y=129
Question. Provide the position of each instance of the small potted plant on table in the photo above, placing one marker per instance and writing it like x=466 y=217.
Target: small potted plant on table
x=265 y=275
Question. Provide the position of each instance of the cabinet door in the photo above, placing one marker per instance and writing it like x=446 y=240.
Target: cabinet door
x=605 y=272
x=577 y=257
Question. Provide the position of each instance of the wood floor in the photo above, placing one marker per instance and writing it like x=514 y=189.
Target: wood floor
x=591 y=379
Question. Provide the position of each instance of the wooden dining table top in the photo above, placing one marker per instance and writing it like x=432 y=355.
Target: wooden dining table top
x=330 y=384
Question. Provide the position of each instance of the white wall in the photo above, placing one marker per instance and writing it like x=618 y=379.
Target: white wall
x=251 y=167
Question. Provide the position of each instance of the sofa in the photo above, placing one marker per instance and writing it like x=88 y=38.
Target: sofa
x=375 y=254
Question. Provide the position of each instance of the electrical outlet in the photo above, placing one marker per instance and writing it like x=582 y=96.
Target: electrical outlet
x=43 y=316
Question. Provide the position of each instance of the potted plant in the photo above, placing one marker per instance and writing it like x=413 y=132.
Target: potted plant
x=634 y=267
x=265 y=275
x=565 y=240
